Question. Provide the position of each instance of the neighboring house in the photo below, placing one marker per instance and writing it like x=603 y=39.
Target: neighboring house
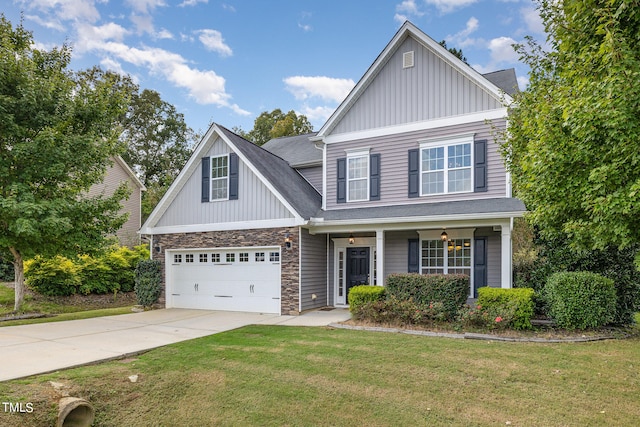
x=117 y=173
x=403 y=177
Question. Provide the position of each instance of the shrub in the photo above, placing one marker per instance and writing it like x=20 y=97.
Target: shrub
x=57 y=276
x=493 y=317
x=581 y=300
x=519 y=301
x=359 y=295
x=147 y=282
x=404 y=312
x=451 y=290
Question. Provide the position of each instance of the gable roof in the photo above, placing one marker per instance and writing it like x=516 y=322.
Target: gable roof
x=407 y=30
x=505 y=80
x=286 y=183
x=120 y=161
x=299 y=151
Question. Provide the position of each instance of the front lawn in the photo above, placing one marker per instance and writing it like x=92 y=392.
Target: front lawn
x=296 y=376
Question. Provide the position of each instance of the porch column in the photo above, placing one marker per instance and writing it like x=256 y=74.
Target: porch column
x=506 y=258
x=379 y=257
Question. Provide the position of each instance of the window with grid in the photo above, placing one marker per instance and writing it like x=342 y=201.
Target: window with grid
x=215 y=257
x=177 y=258
x=244 y=257
x=274 y=256
x=357 y=178
x=454 y=258
x=259 y=256
x=219 y=177
x=433 y=257
x=188 y=258
x=446 y=169
x=204 y=257
x=231 y=257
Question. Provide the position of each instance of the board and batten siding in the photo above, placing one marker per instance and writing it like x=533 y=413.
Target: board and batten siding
x=255 y=200
x=393 y=150
x=431 y=89
x=313 y=270
x=313 y=175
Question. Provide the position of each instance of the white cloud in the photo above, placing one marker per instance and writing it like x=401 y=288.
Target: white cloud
x=51 y=23
x=461 y=39
x=326 y=88
x=446 y=6
x=145 y=6
x=523 y=82
x=164 y=34
x=532 y=20
x=192 y=2
x=317 y=114
x=212 y=40
x=92 y=37
x=228 y=7
x=501 y=50
x=406 y=11
x=71 y=10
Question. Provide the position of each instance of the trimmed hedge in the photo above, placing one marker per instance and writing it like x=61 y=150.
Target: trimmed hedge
x=360 y=295
x=581 y=300
x=519 y=301
x=110 y=272
x=148 y=282
x=451 y=290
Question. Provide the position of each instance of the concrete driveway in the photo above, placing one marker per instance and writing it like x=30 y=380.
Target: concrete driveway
x=46 y=347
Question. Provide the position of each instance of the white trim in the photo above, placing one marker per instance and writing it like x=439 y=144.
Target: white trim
x=342 y=244
x=359 y=154
x=226 y=226
x=211 y=178
x=445 y=143
x=506 y=257
x=481 y=116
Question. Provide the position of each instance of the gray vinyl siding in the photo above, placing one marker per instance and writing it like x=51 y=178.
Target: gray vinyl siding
x=313 y=270
x=255 y=200
x=314 y=176
x=431 y=89
x=127 y=234
x=494 y=251
x=396 y=247
x=394 y=169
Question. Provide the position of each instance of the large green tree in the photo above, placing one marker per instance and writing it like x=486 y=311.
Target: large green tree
x=58 y=133
x=158 y=141
x=276 y=124
x=573 y=142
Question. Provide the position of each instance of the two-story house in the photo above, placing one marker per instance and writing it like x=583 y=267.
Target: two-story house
x=405 y=176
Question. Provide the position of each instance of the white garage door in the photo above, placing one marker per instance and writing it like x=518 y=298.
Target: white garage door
x=240 y=279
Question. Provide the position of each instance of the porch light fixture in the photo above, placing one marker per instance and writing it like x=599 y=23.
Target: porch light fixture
x=352 y=239
x=444 y=236
x=287 y=240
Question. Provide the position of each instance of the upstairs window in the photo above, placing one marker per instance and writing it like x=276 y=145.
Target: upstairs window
x=446 y=166
x=358 y=178
x=220 y=177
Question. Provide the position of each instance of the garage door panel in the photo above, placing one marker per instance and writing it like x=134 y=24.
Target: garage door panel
x=206 y=280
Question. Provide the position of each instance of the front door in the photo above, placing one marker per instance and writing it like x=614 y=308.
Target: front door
x=357 y=268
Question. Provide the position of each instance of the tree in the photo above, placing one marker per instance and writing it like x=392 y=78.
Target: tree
x=276 y=124
x=573 y=142
x=456 y=52
x=58 y=132
x=158 y=141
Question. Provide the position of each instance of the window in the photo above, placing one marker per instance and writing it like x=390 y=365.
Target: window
x=358 y=178
x=452 y=257
x=244 y=257
x=219 y=177
x=188 y=258
x=204 y=257
x=215 y=257
x=259 y=256
x=446 y=165
x=274 y=256
x=177 y=258
x=231 y=257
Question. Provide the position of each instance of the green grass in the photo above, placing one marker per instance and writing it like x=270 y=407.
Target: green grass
x=70 y=316
x=294 y=376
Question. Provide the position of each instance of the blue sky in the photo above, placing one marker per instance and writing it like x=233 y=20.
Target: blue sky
x=227 y=61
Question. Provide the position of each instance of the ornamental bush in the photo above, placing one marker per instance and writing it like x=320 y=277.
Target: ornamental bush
x=57 y=276
x=581 y=300
x=451 y=290
x=400 y=312
x=360 y=295
x=519 y=301
x=148 y=278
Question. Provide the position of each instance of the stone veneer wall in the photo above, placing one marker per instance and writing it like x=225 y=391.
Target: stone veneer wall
x=290 y=280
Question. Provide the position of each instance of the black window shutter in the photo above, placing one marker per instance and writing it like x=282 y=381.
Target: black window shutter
x=374 y=177
x=414 y=173
x=233 y=176
x=480 y=170
x=480 y=264
x=342 y=180
x=206 y=178
x=414 y=253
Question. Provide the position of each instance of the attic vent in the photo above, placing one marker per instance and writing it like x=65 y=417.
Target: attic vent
x=407 y=59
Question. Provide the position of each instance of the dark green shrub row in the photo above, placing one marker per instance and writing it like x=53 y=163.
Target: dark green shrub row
x=148 y=282
x=581 y=300
x=400 y=312
x=359 y=295
x=451 y=290
x=516 y=301
x=110 y=272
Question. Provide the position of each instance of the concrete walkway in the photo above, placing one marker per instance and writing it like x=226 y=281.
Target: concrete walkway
x=46 y=347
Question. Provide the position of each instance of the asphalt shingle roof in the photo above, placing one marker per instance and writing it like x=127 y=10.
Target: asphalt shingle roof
x=505 y=80
x=298 y=150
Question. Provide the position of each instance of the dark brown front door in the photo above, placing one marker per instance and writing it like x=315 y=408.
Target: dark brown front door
x=357 y=268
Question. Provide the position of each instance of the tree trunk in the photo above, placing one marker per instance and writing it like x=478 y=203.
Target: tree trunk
x=18 y=266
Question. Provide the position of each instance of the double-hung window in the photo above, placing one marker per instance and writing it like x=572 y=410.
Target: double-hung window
x=358 y=175
x=446 y=165
x=220 y=177
x=452 y=256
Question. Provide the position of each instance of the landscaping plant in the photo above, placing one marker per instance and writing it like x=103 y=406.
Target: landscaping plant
x=517 y=302
x=360 y=295
x=148 y=282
